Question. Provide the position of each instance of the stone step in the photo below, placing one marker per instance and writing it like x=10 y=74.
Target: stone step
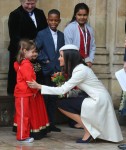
x=3 y=91
x=3 y=87
x=6 y=110
x=3 y=76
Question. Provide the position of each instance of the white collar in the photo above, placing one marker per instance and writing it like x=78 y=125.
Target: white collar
x=53 y=32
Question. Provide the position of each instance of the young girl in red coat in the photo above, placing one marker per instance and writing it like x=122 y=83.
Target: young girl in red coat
x=28 y=116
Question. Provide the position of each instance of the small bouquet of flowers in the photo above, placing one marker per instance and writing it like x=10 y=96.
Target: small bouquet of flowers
x=59 y=78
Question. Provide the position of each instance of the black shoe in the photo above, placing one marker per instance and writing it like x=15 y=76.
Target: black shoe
x=76 y=127
x=122 y=146
x=85 y=141
x=54 y=129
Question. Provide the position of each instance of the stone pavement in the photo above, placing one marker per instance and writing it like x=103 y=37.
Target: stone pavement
x=55 y=141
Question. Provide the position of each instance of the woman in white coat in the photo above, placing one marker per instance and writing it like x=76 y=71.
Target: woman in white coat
x=95 y=113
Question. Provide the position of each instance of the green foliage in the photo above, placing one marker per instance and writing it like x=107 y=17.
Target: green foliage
x=58 y=79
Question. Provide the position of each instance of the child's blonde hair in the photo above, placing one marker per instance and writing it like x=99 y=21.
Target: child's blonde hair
x=25 y=44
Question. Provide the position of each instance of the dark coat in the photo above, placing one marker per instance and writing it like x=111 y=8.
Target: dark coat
x=21 y=26
x=45 y=44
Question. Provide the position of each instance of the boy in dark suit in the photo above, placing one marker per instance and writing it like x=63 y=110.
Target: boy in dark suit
x=49 y=41
x=23 y=22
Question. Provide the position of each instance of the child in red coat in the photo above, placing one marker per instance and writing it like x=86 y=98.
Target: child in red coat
x=25 y=95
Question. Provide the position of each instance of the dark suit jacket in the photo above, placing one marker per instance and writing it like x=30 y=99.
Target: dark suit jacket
x=125 y=48
x=45 y=44
x=21 y=26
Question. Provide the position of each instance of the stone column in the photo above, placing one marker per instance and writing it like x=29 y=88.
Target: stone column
x=116 y=11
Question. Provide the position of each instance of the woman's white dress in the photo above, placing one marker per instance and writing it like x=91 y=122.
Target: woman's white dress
x=97 y=112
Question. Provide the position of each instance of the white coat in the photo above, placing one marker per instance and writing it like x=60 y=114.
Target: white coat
x=97 y=112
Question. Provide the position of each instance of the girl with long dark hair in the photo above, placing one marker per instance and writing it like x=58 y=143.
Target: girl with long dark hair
x=80 y=33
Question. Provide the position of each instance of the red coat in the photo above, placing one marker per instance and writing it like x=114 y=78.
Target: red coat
x=25 y=72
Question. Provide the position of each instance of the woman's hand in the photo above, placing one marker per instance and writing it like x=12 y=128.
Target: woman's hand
x=89 y=64
x=34 y=85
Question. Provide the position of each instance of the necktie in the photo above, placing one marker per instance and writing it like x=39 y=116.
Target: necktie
x=31 y=13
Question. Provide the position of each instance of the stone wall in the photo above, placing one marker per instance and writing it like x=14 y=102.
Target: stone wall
x=107 y=17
